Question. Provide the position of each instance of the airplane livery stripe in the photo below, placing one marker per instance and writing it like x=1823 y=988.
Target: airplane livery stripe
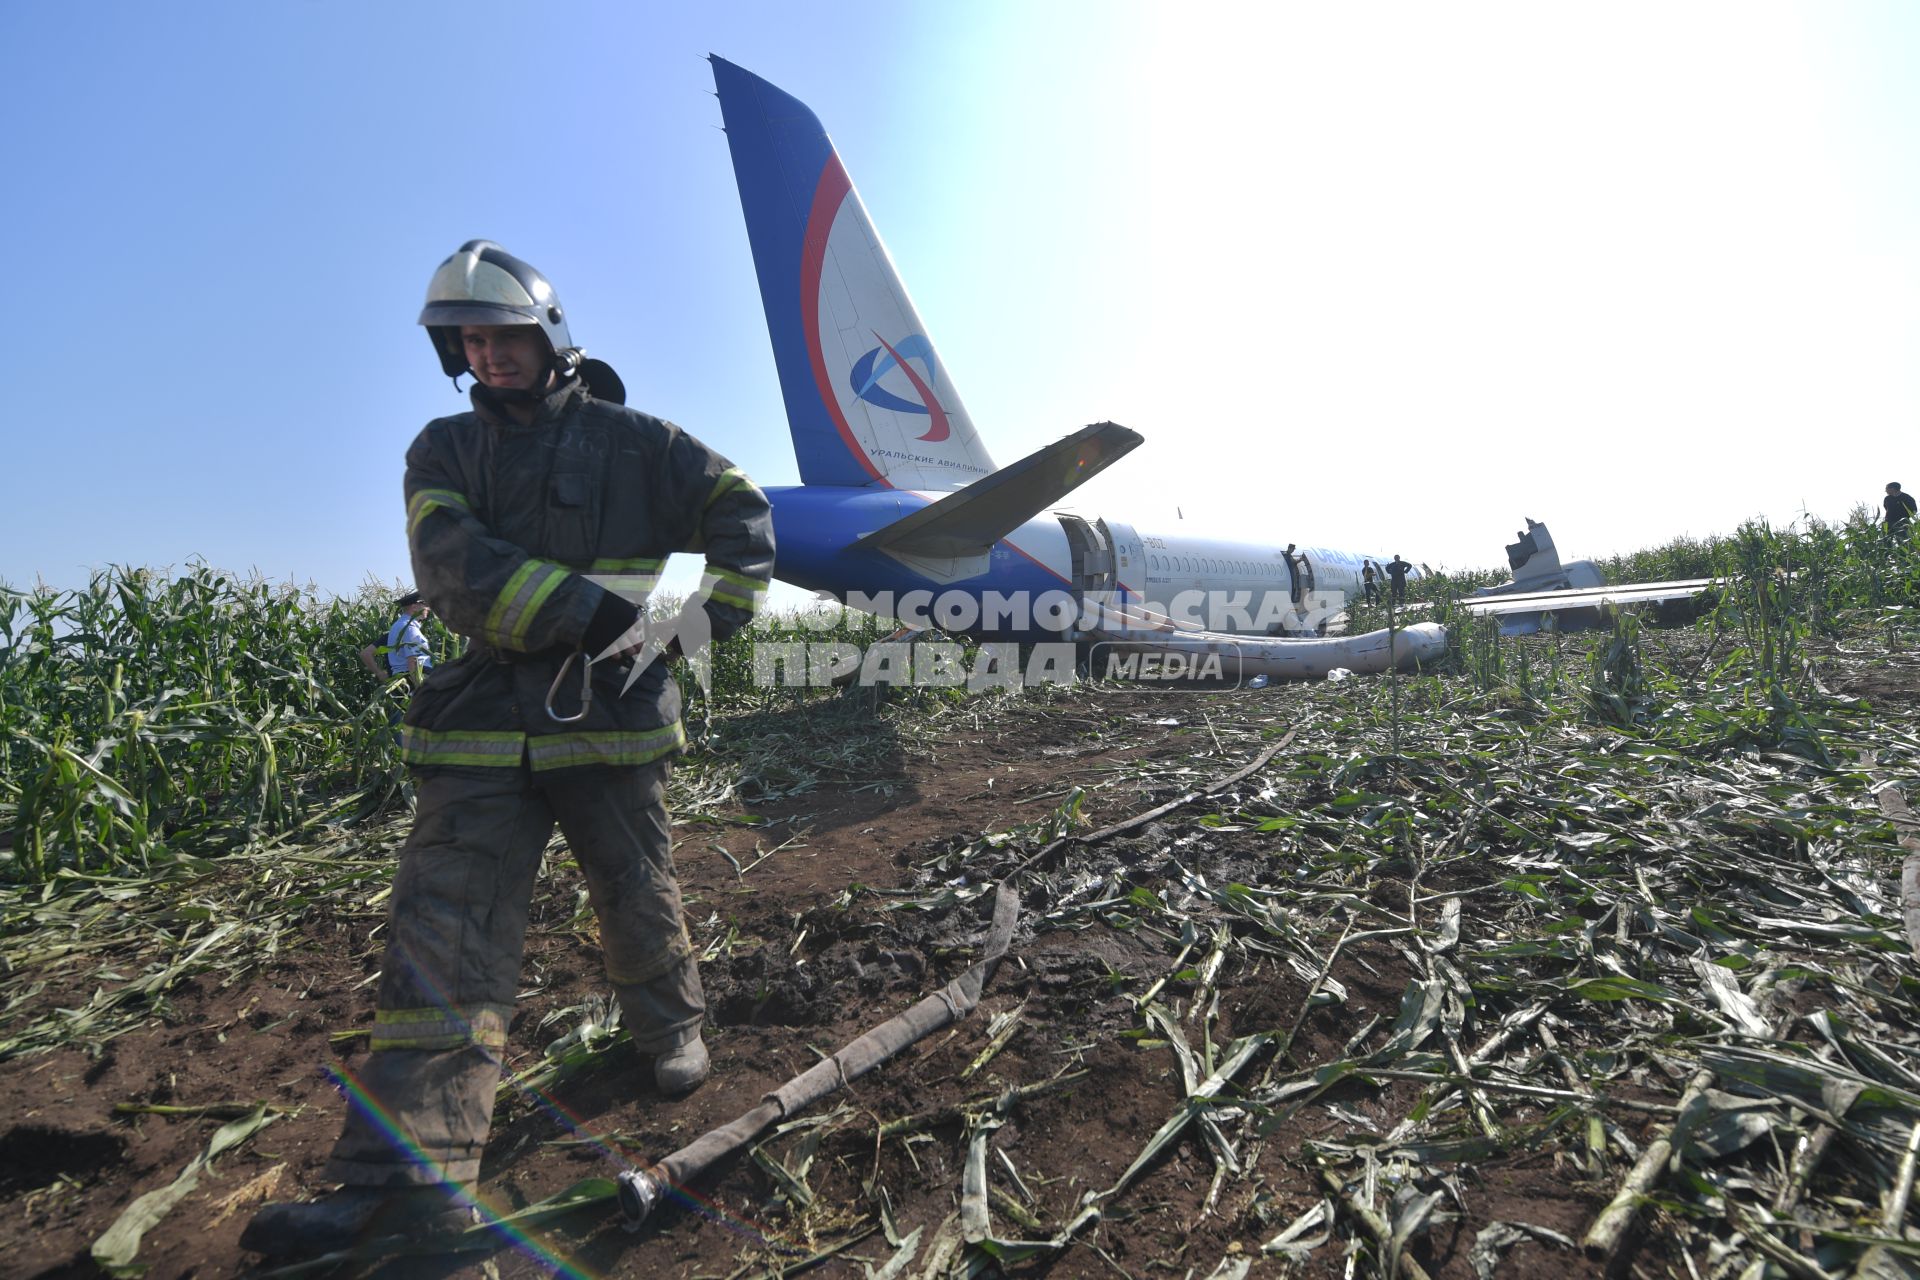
x=829 y=198
x=1038 y=563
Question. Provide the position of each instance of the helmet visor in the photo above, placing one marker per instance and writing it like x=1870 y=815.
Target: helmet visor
x=467 y=311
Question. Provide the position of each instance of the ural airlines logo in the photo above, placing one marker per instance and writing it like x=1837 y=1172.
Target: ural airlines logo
x=873 y=366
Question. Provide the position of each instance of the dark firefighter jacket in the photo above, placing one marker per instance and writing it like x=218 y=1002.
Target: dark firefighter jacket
x=507 y=522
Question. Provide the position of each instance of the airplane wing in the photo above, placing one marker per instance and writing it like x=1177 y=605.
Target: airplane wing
x=970 y=520
x=1587 y=597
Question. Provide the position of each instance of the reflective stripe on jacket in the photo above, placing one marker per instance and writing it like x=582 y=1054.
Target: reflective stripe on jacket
x=519 y=532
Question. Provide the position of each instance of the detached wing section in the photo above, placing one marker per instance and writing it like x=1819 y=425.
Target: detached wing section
x=968 y=522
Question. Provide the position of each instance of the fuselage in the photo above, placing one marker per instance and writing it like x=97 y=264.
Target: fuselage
x=1212 y=583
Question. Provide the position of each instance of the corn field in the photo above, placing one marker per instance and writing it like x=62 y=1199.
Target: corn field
x=1615 y=916
x=149 y=717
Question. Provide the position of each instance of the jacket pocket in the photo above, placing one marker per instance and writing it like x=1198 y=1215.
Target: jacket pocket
x=573 y=517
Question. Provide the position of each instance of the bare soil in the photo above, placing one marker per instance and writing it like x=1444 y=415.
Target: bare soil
x=816 y=957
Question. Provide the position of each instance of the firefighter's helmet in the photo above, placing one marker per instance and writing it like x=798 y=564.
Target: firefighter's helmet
x=483 y=284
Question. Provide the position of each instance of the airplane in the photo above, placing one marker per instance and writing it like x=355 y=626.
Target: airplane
x=901 y=510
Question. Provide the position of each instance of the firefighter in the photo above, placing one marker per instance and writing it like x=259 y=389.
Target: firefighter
x=535 y=521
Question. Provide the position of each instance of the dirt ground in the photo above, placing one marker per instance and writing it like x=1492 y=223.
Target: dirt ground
x=810 y=950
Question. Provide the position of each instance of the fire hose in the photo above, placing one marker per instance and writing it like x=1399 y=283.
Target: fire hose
x=641 y=1189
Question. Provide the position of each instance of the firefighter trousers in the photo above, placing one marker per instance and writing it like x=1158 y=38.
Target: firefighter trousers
x=420 y=1105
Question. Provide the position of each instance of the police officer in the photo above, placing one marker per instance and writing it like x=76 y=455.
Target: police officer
x=406 y=647
x=536 y=522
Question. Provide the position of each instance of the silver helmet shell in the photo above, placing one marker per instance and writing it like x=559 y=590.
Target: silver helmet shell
x=483 y=284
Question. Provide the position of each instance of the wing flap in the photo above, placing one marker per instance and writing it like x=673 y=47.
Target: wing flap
x=1587 y=597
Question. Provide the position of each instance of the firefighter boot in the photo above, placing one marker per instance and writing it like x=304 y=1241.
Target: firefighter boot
x=682 y=1069
x=355 y=1216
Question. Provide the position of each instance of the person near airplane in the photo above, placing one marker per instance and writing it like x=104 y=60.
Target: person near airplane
x=1900 y=508
x=1397 y=577
x=532 y=520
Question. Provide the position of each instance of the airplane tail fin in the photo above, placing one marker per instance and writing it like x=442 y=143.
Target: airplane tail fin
x=868 y=400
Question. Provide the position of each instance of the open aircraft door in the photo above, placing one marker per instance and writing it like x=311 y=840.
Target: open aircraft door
x=1093 y=559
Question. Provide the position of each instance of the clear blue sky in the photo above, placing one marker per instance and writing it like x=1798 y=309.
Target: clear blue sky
x=1383 y=276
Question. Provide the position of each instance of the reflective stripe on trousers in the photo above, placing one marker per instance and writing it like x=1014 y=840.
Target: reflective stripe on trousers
x=420 y=1104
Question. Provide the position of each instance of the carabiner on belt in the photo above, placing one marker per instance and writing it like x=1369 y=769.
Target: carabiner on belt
x=586 y=689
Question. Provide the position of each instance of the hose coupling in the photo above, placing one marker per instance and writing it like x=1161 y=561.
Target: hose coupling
x=639 y=1192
